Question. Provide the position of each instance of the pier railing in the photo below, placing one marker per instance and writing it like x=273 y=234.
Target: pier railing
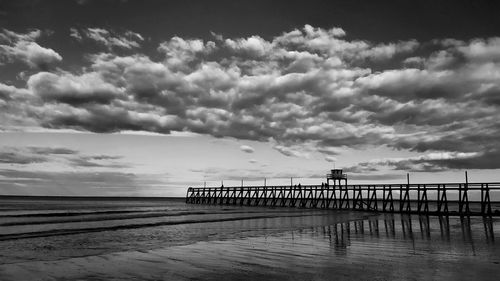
x=438 y=198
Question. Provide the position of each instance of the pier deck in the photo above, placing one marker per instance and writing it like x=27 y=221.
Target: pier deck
x=429 y=199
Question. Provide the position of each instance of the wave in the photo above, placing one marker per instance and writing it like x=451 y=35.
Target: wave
x=142 y=216
x=69 y=214
x=57 y=232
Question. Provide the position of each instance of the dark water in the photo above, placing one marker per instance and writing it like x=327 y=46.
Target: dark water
x=146 y=239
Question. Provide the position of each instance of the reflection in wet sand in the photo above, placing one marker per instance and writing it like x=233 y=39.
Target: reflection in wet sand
x=407 y=227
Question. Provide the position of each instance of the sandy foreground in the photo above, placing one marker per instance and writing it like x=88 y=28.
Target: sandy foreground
x=320 y=253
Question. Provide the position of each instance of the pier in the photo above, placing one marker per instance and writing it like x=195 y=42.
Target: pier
x=426 y=199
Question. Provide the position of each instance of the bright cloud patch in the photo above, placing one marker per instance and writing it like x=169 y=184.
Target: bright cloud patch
x=305 y=91
x=18 y=46
x=247 y=149
x=109 y=38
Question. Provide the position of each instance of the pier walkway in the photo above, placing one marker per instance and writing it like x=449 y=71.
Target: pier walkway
x=426 y=199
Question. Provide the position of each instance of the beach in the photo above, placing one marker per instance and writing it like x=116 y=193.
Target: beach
x=152 y=239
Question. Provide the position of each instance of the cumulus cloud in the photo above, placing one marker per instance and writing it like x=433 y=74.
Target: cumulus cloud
x=180 y=52
x=71 y=89
x=22 y=46
x=306 y=90
x=247 y=149
x=8 y=93
x=387 y=51
x=253 y=46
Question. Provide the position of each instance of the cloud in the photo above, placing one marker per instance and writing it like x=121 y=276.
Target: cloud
x=378 y=177
x=304 y=91
x=330 y=151
x=330 y=158
x=109 y=38
x=71 y=89
x=18 y=46
x=52 y=150
x=247 y=149
x=104 y=183
x=432 y=162
x=69 y=157
x=75 y=34
x=96 y=162
x=9 y=93
x=180 y=52
x=388 y=51
x=253 y=46
x=291 y=151
x=12 y=156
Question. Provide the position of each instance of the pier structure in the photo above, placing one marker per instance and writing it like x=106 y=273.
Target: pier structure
x=427 y=199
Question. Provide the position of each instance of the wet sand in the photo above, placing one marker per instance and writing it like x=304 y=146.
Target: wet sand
x=382 y=247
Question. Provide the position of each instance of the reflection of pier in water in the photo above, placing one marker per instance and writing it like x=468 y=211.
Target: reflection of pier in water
x=411 y=228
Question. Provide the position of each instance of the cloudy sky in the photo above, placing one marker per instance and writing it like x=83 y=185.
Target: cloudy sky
x=145 y=98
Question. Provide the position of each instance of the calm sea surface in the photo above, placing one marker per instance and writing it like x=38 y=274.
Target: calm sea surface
x=166 y=239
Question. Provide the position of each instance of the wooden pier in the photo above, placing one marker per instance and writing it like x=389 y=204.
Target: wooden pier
x=426 y=199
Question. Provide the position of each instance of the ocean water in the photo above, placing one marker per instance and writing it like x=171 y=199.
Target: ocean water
x=166 y=239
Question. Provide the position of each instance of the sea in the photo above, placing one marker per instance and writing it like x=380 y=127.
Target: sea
x=66 y=238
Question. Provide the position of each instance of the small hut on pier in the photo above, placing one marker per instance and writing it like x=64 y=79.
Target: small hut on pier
x=337 y=177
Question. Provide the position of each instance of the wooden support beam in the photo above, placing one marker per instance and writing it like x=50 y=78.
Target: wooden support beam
x=265 y=197
x=283 y=197
x=425 y=199
x=374 y=200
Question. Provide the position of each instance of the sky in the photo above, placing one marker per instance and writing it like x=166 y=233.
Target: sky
x=147 y=98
